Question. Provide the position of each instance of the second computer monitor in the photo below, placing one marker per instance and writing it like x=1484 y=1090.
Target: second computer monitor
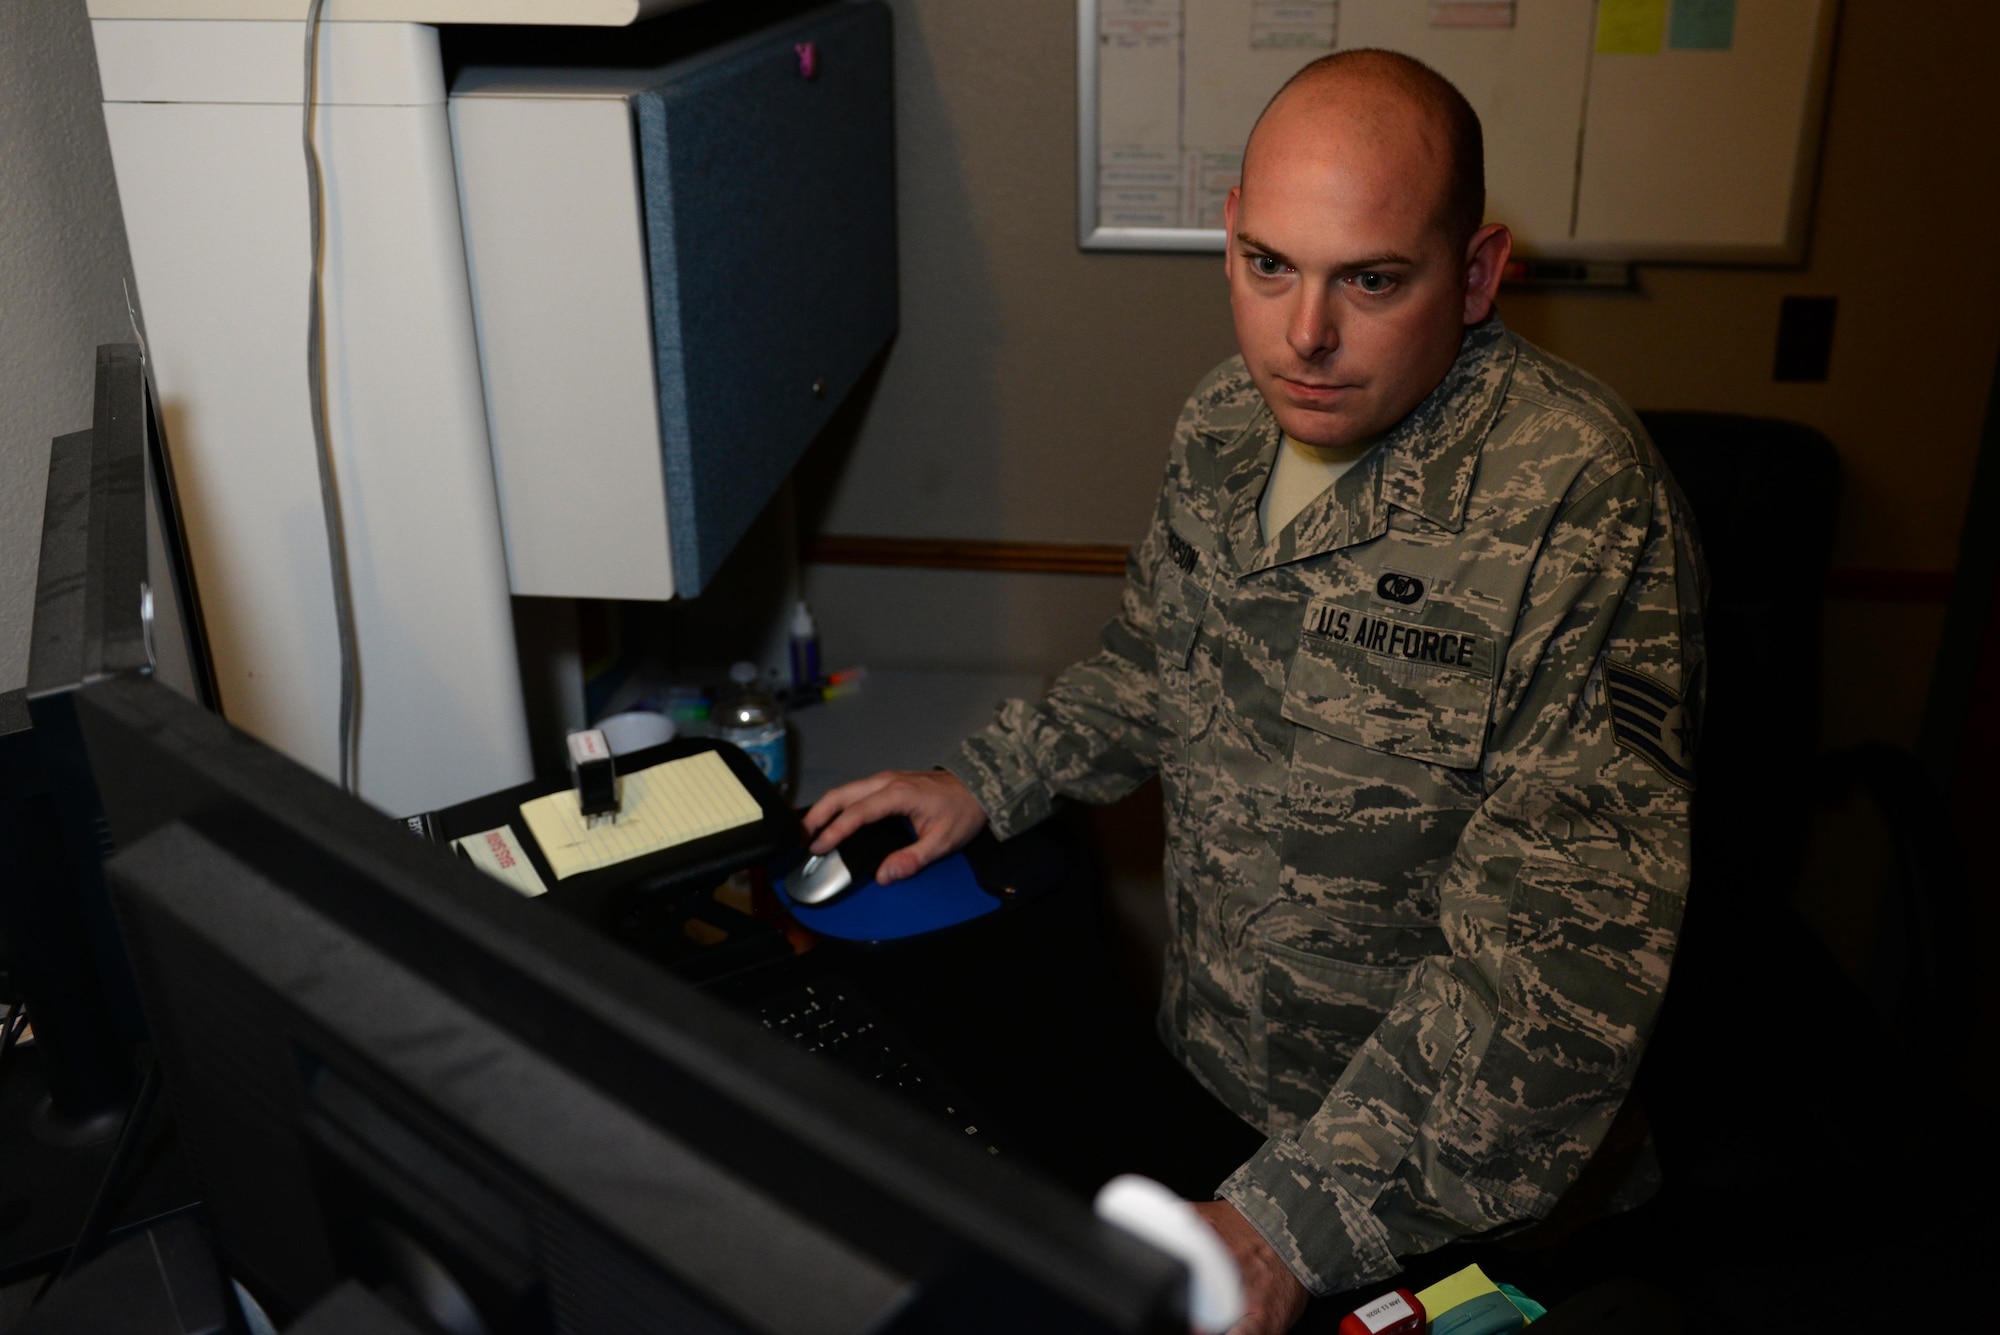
x=387 y=1067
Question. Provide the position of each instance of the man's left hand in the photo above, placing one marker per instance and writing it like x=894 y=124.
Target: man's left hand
x=1273 y=1298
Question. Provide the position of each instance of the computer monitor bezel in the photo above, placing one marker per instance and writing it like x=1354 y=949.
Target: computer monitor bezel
x=100 y=602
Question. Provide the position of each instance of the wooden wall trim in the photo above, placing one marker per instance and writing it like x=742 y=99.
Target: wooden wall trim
x=1042 y=558
x=1846 y=584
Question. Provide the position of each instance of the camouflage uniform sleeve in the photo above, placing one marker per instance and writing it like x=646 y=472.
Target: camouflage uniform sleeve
x=1480 y=1096
x=1096 y=735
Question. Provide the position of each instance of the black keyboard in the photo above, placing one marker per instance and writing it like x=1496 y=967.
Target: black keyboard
x=828 y=1018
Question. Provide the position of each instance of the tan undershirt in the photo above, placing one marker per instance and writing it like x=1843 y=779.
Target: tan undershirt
x=1300 y=474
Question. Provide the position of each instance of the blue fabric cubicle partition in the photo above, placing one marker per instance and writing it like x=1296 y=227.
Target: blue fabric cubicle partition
x=769 y=185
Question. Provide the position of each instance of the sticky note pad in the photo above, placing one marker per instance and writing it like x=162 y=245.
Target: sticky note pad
x=1702 y=25
x=1453 y=1290
x=674 y=803
x=1631 y=27
x=498 y=854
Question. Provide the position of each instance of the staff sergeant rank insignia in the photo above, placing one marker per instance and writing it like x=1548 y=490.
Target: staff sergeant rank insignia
x=1649 y=720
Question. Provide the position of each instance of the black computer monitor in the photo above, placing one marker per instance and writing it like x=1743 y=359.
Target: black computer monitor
x=388 y=1067
x=115 y=591
x=114 y=594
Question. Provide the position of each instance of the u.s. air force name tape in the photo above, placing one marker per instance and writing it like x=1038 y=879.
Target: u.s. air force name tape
x=1385 y=637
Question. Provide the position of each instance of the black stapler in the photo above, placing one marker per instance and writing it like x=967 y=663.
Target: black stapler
x=596 y=774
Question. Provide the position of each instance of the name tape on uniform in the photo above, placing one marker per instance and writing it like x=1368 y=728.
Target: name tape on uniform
x=1385 y=637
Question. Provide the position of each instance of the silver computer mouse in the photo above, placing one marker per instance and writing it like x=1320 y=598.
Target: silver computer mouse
x=819 y=879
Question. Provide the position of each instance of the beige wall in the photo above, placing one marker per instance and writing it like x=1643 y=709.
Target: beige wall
x=1904 y=235
x=1032 y=388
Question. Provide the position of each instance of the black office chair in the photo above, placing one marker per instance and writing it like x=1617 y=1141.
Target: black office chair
x=1793 y=1165
x=1765 y=495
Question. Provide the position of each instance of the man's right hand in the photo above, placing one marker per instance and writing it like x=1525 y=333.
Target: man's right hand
x=943 y=810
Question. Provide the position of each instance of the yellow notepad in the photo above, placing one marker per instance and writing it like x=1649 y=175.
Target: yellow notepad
x=669 y=804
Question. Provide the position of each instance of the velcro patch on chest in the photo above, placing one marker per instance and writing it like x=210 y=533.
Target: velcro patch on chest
x=1401 y=589
x=1390 y=638
x=1650 y=720
x=1182 y=552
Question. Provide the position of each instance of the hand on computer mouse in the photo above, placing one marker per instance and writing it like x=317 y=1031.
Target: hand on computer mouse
x=943 y=810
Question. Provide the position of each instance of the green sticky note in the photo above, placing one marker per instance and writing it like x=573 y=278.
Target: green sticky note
x=1630 y=27
x=1702 y=25
x=1530 y=1309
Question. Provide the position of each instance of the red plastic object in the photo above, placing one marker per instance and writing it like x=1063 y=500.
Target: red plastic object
x=1395 y=1313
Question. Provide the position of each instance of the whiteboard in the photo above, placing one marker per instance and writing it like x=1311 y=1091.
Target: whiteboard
x=1615 y=129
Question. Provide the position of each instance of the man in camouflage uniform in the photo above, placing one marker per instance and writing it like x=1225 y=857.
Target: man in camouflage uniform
x=1425 y=750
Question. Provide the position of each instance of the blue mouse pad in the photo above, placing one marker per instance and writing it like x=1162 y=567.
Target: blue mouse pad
x=942 y=895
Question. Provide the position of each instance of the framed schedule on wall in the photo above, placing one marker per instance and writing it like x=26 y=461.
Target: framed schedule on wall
x=1615 y=129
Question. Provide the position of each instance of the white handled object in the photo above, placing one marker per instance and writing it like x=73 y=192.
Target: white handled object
x=1148 y=1211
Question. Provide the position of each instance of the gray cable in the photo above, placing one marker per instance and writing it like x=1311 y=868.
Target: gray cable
x=329 y=494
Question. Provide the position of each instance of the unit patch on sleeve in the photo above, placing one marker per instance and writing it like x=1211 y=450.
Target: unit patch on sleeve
x=1650 y=720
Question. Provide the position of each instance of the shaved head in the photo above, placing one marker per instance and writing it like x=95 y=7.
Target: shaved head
x=1394 y=95
x=1356 y=255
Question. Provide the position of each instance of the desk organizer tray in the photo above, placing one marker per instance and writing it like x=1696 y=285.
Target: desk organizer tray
x=610 y=897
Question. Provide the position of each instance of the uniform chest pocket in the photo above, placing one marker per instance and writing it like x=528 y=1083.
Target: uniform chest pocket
x=1420 y=693
x=1180 y=601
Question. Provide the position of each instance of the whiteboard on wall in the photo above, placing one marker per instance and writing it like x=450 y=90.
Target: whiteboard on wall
x=1615 y=129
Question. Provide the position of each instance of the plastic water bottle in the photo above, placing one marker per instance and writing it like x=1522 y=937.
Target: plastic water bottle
x=805 y=650
x=752 y=718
